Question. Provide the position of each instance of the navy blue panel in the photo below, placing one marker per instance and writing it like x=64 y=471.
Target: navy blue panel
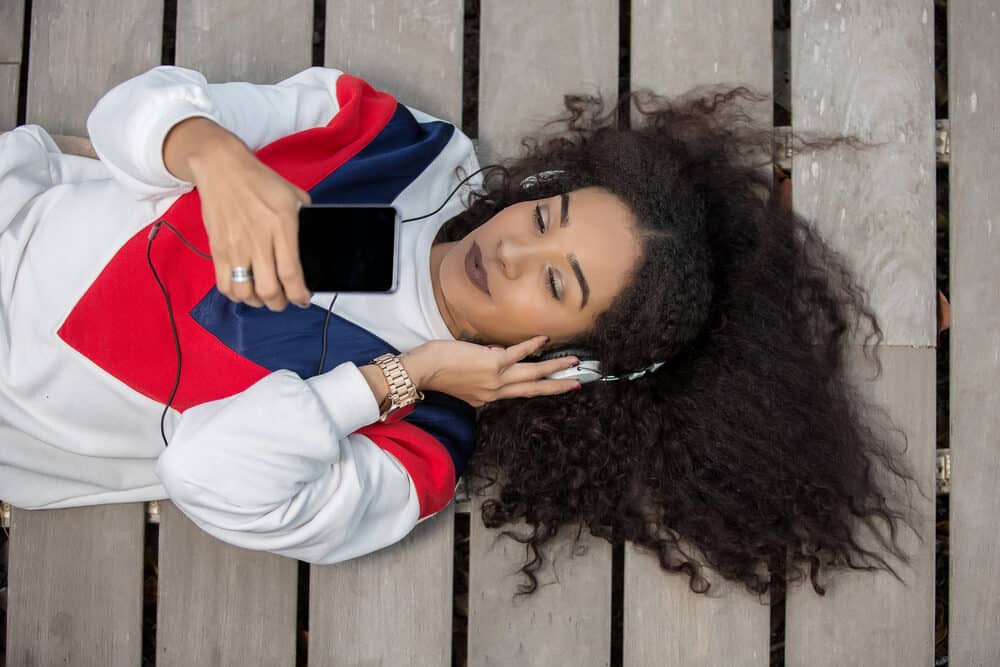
x=383 y=169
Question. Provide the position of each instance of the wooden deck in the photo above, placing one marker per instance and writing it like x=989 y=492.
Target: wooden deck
x=75 y=577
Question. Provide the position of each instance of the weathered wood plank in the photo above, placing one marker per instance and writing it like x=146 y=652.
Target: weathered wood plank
x=11 y=30
x=530 y=55
x=76 y=575
x=9 y=84
x=974 y=101
x=219 y=604
x=243 y=40
x=868 y=69
x=412 y=50
x=11 y=35
x=567 y=621
x=866 y=618
x=75 y=586
x=667 y=624
x=81 y=49
x=677 y=46
x=390 y=607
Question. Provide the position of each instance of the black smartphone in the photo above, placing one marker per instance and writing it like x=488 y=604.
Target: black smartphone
x=349 y=248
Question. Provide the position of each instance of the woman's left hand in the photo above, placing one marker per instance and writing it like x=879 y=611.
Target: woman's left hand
x=480 y=374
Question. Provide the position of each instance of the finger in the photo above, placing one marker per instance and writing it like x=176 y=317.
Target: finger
x=528 y=371
x=515 y=353
x=289 y=266
x=302 y=195
x=265 y=280
x=537 y=388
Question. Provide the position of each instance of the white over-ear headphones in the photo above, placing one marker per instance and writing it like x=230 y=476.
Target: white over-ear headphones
x=589 y=369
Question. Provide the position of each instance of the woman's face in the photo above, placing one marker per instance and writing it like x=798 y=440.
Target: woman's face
x=550 y=266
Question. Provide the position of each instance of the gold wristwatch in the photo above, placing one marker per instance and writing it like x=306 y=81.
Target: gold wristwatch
x=402 y=391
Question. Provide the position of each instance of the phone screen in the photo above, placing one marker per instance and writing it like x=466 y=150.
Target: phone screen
x=349 y=248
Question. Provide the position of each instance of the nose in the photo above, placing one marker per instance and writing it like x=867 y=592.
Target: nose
x=517 y=256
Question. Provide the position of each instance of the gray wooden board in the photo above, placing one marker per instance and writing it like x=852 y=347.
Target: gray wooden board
x=412 y=50
x=389 y=607
x=393 y=606
x=974 y=96
x=675 y=47
x=530 y=55
x=82 y=48
x=667 y=624
x=11 y=30
x=9 y=81
x=219 y=604
x=871 y=618
x=75 y=586
x=567 y=621
x=682 y=44
x=11 y=33
x=868 y=69
x=244 y=40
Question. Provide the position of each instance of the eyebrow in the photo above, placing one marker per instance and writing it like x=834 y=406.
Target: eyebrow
x=571 y=258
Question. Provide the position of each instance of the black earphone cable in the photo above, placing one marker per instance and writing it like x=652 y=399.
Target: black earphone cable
x=170 y=314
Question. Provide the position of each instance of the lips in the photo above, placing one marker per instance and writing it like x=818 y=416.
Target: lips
x=475 y=270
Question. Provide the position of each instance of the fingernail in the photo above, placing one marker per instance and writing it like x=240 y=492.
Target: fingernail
x=303 y=305
x=545 y=342
x=576 y=362
x=578 y=387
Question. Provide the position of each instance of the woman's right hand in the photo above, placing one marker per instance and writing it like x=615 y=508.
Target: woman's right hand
x=480 y=374
x=250 y=213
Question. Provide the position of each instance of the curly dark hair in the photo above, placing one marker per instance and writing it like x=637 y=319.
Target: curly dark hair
x=750 y=443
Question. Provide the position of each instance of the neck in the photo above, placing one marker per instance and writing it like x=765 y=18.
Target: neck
x=438 y=251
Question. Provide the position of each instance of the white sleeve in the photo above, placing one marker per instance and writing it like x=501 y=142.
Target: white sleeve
x=129 y=123
x=278 y=468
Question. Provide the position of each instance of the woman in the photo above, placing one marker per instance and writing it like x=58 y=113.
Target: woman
x=650 y=247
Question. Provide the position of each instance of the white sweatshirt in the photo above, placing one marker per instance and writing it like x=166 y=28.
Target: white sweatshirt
x=263 y=453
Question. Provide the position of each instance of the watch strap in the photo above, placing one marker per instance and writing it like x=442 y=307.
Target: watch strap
x=402 y=392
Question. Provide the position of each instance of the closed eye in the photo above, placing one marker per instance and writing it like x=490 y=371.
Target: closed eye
x=540 y=223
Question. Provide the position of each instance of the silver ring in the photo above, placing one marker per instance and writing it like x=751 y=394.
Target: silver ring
x=241 y=274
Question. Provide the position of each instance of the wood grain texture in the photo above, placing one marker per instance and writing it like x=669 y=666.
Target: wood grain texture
x=390 y=607
x=567 y=621
x=219 y=604
x=682 y=44
x=530 y=55
x=871 y=618
x=11 y=30
x=243 y=40
x=75 y=586
x=666 y=623
x=974 y=96
x=9 y=84
x=11 y=37
x=675 y=47
x=412 y=50
x=82 y=48
x=868 y=69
